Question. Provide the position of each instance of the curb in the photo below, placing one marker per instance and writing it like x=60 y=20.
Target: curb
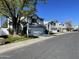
x=13 y=46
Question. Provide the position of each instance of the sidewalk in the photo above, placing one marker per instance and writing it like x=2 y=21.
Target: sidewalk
x=12 y=46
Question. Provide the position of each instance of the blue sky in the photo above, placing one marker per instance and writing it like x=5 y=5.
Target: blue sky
x=60 y=10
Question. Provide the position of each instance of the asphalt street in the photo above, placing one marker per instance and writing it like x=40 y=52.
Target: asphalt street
x=61 y=47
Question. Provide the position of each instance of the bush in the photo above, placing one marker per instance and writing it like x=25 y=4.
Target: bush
x=12 y=38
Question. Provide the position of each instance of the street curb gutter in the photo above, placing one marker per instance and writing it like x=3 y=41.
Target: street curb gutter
x=13 y=46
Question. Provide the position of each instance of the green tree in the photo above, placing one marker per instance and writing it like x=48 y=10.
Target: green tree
x=15 y=9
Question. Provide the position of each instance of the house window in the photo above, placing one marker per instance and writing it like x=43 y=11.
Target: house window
x=34 y=21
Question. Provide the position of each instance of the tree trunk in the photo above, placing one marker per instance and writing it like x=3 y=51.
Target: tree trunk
x=18 y=27
x=14 y=25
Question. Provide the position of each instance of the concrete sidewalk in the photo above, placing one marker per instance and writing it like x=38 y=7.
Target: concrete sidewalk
x=12 y=46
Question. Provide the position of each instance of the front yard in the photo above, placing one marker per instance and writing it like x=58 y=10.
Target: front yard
x=15 y=38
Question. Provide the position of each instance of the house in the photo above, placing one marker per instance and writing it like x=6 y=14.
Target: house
x=52 y=26
x=55 y=26
x=33 y=24
x=36 y=26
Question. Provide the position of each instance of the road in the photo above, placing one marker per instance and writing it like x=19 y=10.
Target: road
x=61 y=47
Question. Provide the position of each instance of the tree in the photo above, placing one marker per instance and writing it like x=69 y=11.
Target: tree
x=15 y=9
x=53 y=22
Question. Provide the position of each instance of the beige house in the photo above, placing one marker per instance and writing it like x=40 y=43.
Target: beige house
x=55 y=27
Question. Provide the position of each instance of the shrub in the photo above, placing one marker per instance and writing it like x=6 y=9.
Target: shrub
x=12 y=38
